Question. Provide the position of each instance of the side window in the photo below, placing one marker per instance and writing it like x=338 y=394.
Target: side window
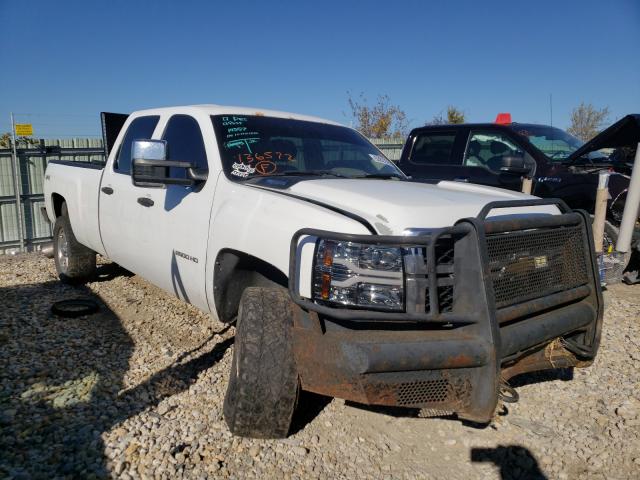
x=433 y=148
x=139 y=129
x=184 y=144
x=487 y=149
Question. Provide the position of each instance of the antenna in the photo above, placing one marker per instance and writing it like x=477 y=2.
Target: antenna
x=551 y=109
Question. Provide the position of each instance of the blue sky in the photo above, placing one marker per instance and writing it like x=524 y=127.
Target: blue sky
x=65 y=61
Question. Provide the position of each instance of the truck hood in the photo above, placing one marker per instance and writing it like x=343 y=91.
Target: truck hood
x=393 y=206
x=624 y=133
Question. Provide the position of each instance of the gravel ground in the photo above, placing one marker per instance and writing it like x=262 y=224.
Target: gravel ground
x=136 y=390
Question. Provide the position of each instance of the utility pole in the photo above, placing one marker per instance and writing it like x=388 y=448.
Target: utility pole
x=17 y=184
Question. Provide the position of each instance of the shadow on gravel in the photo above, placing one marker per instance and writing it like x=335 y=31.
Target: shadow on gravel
x=61 y=382
x=402 y=412
x=109 y=271
x=310 y=405
x=564 y=374
x=515 y=462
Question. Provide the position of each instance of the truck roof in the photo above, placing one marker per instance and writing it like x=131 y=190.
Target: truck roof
x=212 y=109
x=510 y=126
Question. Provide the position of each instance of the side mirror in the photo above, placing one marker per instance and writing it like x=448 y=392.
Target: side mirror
x=515 y=164
x=150 y=167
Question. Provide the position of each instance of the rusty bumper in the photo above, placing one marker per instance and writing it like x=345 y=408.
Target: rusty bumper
x=440 y=370
x=454 y=358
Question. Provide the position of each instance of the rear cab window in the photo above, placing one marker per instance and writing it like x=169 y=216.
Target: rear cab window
x=434 y=148
x=140 y=128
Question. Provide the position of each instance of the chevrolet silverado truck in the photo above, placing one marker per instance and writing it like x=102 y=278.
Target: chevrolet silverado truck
x=344 y=278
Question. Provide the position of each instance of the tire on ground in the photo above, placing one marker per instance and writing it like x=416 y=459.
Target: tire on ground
x=263 y=383
x=81 y=261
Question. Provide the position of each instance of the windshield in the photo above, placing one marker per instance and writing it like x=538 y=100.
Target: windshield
x=553 y=142
x=254 y=146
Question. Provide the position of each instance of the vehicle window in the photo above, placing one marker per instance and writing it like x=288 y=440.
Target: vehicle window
x=487 y=149
x=434 y=148
x=253 y=146
x=139 y=129
x=184 y=144
x=556 y=144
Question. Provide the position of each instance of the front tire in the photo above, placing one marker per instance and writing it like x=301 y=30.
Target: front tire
x=75 y=263
x=263 y=383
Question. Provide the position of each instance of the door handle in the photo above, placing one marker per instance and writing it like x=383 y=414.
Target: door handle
x=107 y=190
x=461 y=179
x=145 y=201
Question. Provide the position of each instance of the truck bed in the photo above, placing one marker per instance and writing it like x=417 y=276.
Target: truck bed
x=77 y=183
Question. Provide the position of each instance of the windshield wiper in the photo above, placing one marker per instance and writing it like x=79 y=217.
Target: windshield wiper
x=298 y=173
x=379 y=175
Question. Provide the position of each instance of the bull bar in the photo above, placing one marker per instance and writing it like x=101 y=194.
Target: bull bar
x=468 y=324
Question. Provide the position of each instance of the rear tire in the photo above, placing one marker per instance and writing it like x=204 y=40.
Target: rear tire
x=75 y=263
x=263 y=383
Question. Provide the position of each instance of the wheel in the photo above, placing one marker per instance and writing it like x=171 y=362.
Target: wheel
x=263 y=383
x=75 y=263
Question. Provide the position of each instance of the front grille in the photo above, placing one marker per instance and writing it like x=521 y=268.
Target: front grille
x=423 y=391
x=444 y=260
x=534 y=263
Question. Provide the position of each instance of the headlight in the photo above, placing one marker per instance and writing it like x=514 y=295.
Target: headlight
x=360 y=275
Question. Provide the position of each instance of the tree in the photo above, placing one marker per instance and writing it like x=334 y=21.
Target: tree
x=379 y=120
x=454 y=116
x=587 y=120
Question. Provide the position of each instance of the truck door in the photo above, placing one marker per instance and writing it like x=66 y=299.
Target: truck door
x=483 y=158
x=119 y=214
x=169 y=237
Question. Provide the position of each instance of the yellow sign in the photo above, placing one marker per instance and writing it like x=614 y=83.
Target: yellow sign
x=24 y=129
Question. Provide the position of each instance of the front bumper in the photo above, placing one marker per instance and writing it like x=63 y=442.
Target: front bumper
x=488 y=308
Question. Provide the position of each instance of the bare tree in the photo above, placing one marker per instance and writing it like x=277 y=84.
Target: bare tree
x=437 y=119
x=454 y=116
x=587 y=120
x=379 y=120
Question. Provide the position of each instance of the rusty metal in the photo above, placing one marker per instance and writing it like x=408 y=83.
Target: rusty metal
x=519 y=336
x=401 y=360
x=377 y=366
x=552 y=356
x=525 y=309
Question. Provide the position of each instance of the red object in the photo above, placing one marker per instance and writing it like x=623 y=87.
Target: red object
x=503 y=118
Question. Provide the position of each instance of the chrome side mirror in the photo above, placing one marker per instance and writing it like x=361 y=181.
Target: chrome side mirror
x=150 y=167
x=149 y=149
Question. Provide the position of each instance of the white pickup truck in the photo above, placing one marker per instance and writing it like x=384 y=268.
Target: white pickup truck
x=345 y=277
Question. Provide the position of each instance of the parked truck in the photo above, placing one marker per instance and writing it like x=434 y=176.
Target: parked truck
x=500 y=154
x=343 y=277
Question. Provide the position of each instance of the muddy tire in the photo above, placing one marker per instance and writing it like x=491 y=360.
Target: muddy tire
x=263 y=382
x=75 y=263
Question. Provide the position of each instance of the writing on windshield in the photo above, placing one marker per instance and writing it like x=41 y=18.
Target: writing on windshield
x=256 y=145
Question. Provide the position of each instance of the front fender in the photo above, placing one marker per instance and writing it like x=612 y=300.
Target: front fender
x=261 y=223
